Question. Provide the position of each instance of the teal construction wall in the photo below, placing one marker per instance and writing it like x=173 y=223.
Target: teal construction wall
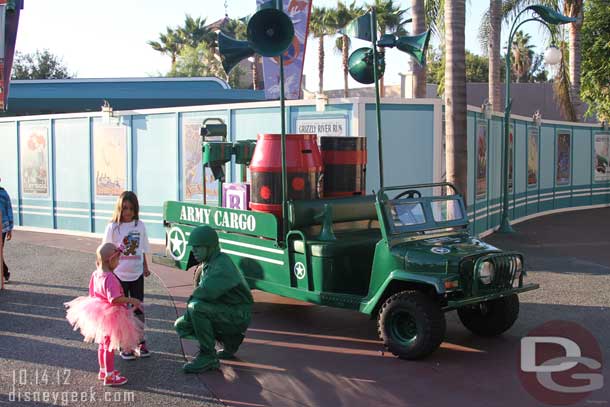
x=547 y=194
x=412 y=148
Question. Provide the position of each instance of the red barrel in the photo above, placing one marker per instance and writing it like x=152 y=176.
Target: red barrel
x=344 y=161
x=303 y=167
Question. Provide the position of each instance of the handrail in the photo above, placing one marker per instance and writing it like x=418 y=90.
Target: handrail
x=428 y=185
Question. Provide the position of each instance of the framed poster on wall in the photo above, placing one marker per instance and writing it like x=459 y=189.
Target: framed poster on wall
x=192 y=169
x=481 y=169
x=563 y=164
x=109 y=160
x=532 y=157
x=601 y=157
x=34 y=155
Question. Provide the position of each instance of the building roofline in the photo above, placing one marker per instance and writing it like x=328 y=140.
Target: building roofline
x=115 y=80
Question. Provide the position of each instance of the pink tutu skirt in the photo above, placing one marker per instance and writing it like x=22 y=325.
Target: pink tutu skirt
x=100 y=322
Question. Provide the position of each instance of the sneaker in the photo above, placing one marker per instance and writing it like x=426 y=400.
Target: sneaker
x=128 y=355
x=115 y=380
x=102 y=374
x=143 y=351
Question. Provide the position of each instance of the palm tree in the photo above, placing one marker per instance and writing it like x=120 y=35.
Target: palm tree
x=574 y=8
x=195 y=32
x=493 y=52
x=320 y=26
x=522 y=56
x=418 y=25
x=562 y=87
x=168 y=44
x=341 y=17
x=389 y=18
x=456 y=153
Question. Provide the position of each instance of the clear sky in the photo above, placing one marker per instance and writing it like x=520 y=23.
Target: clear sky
x=102 y=39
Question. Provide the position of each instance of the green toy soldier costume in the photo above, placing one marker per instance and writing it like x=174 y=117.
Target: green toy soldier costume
x=219 y=308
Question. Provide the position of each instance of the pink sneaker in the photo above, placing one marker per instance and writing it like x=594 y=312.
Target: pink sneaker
x=102 y=374
x=115 y=380
x=143 y=351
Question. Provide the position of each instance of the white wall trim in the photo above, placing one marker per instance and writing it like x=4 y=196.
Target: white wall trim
x=73 y=233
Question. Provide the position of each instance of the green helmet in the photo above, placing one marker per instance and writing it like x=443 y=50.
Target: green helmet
x=203 y=236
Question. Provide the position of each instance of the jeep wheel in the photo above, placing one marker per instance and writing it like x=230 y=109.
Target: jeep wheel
x=411 y=325
x=490 y=318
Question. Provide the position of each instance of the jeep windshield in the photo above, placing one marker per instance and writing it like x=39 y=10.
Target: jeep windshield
x=424 y=215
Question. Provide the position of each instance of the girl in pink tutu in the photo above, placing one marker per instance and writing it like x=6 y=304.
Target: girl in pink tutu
x=103 y=316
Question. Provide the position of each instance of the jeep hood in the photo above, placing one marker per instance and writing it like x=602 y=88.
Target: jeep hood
x=438 y=254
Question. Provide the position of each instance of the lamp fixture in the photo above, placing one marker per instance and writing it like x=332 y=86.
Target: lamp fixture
x=486 y=109
x=321 y=102
x=108 y=114
x=537 y=118
x=552 y=55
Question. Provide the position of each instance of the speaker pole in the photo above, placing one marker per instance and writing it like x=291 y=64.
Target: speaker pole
x=280 y=7
x=377 y=101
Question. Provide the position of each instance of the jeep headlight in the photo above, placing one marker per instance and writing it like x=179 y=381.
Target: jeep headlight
x=518 y=264
x=486 y=272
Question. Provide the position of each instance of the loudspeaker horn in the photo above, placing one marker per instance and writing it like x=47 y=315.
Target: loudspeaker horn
x=360 y=65
x=270 y=32
x=232 y=51
x=415 y=45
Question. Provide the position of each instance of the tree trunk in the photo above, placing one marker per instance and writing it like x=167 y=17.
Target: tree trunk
x=345 y=52
x=255 y=73
x=575 y=64
x=455 y=95
x=495 y=62
x=419 y=26
x=321 y=65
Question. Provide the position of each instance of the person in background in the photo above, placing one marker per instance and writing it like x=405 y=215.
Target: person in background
x=7 y=227
x=127 y=230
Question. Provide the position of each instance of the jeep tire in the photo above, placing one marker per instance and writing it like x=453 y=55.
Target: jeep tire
x=411 y=325
x=490 y=318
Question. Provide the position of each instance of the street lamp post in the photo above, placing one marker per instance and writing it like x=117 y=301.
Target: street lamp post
x=545 y=16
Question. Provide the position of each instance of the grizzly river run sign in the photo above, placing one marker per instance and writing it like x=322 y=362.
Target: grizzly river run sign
x=230 y=220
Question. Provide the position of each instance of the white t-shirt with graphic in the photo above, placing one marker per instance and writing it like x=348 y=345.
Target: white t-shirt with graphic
x=133 y=237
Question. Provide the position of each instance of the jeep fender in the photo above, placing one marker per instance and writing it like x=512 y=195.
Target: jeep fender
x=432 y=282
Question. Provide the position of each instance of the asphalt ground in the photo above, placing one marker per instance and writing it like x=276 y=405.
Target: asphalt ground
x=41 y=358
x=298 y=354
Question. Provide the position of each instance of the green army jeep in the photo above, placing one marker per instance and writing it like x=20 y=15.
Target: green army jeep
x=403 y=256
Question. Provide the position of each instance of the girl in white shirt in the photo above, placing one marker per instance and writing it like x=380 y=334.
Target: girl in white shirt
x=128 y=231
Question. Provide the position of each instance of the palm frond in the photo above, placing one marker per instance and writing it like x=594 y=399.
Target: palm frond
x=484 y=32
x=561 y=87
x=435 y=16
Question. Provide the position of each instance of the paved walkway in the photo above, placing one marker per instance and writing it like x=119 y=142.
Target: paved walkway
x=297 y=354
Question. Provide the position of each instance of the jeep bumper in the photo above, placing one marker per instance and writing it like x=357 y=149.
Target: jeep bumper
x=454 y=304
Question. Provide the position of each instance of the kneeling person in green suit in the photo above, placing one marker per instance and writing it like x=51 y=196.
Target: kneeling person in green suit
x=219 y=308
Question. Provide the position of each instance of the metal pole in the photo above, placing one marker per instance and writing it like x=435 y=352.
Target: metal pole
x=284 y=172
x=505 y=226
x=377 y=101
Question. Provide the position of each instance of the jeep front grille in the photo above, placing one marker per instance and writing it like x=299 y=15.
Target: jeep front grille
x=504 y=277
